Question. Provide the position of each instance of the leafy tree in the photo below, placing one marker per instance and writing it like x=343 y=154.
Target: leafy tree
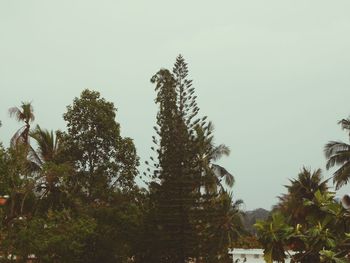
x=105 y=167
x=103 y=159
x=338 y=154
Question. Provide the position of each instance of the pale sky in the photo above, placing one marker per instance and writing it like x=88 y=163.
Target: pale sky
x=272 y=75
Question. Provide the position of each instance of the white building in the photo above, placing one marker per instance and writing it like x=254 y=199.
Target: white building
x=249 y=256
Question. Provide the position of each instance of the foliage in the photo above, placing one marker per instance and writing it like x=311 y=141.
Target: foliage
x=273 y=235
x=116 y=233
x=54 y=237
x=247 y=242
x=18 y=181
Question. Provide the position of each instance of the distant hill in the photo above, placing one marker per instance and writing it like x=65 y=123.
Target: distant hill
x=250 y=218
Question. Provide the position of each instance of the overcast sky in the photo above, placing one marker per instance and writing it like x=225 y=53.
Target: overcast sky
x=273 y=75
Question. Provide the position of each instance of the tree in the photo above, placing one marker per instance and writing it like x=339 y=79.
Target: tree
x=301 y=189
x=273 y=234
x=174 y=194
x=105 y=167
x=21 y=137
x=338 y=154
x=214 y=176
x=184 y=186
x=218 y=219
x=25 y=114
x=48 y=143
x=117 y=231
x=54 y=175
x=103 y=159
x=222 y=226
x=18 y=181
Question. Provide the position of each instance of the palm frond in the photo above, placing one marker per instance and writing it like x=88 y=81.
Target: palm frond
x=221 y=172
x=34 y=157
x=342 y=176
x=220 y=151
x=17 y=138
x=333 y=147
x=338 y=159
x=47 y=143
x=15 y=112
x=345 y=124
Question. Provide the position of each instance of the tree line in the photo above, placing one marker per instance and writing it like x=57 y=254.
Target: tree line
x=71 y=195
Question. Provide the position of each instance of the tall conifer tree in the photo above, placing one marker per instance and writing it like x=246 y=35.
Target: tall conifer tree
x=185 y=183
x=174 y=197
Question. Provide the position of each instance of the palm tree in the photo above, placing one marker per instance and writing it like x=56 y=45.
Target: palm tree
x=48 y=148
x=20 y=143
x=23 y=114
x=221 y=224
x=213 y=174
x=230 y=225
x=48 y=144
x=301 y=189
x=21 y=137
x=338 y=154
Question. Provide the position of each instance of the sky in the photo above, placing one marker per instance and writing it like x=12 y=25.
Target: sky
x=272 y=75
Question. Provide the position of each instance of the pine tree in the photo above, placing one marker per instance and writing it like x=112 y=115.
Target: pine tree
x=185 y=183
x=174 y=196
